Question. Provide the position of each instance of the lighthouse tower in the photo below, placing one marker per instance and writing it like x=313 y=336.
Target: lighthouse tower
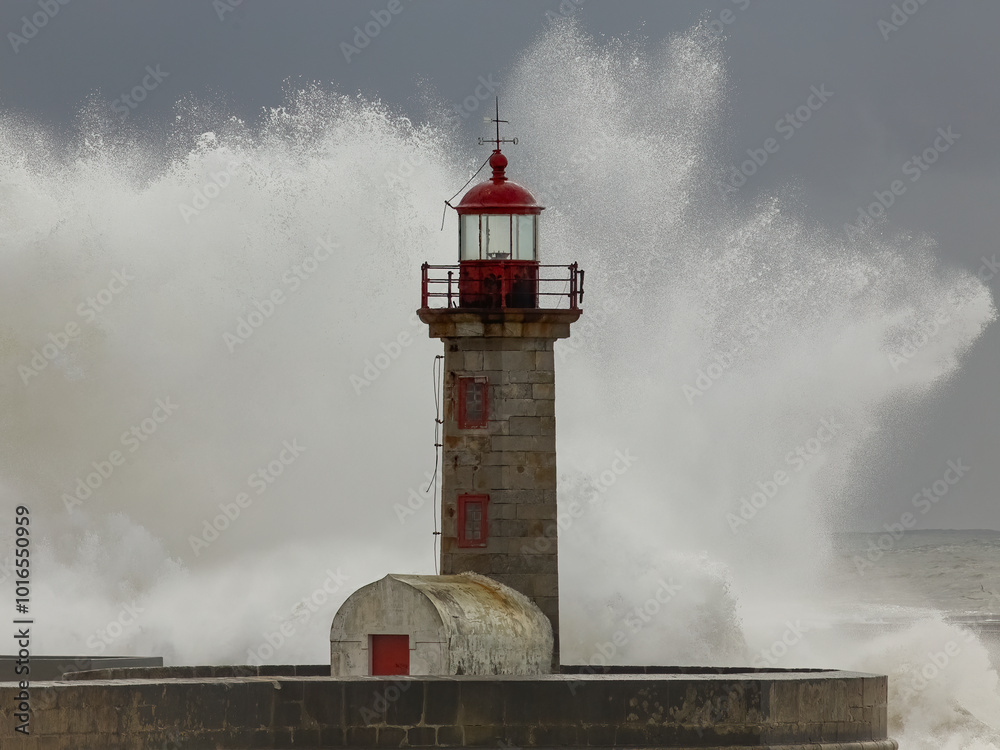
x=499 y=313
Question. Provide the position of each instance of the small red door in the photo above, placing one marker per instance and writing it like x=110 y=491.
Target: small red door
x=390 y=654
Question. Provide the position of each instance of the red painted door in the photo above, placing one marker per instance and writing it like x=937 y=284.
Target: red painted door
x=390 y=654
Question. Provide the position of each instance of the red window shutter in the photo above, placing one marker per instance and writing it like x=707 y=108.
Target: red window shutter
x=473 y=403
x=473 y=520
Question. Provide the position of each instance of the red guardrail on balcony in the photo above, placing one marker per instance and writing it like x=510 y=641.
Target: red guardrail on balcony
x=518 y=285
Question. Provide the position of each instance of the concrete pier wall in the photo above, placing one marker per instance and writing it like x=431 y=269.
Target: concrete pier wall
x=739 y=710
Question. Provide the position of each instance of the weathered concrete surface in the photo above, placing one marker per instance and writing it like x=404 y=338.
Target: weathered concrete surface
x=457 y=624
x=54 y=667
x=841 y=710
x=513 y=459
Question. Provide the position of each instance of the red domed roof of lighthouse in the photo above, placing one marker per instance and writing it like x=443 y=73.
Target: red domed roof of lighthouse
x=498 y=195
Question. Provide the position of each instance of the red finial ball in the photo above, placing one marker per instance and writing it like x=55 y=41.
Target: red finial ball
x=499 y=163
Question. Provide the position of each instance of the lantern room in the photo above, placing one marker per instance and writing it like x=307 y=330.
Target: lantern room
x=498 y=219
x=498 y=243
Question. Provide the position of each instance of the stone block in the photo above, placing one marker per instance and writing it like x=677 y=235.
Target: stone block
x=331 y=737
x=473 y=361
x=527 y=425
x=545 y=408
x=493 y=361
x=513 y=443
x=487 y=478
x=540 y=459
x=546 y=585
x=491 y=736
x=480 y=704
x=390 y=737
x=361 y=709
x=545 y=476
x=519 y=360
x=498 y=426
x=405 y=702
x=596 y=735
x=468 y=328
x=305 y=738
x=322 y=703
x=505 y=458
x=521 y=528
x=450 y=737
x=515 y=407
x=441 y=702
x=421 y=736
x=515 y=390
x=557 y=736
x=543 y=391
x=535 y=512
x=505 y=512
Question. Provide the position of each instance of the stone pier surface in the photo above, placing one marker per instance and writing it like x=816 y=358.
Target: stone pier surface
x=286 y=707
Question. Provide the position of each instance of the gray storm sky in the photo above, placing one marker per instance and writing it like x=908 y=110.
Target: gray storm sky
x=893 y=87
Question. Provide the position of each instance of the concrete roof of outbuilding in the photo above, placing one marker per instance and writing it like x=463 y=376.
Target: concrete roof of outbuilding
x=469 y=603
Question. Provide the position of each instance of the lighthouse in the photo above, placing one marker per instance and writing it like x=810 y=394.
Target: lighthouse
x=499 y=312
x=494 y=608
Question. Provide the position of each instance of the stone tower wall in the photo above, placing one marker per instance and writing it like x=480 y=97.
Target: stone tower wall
x=513 y=461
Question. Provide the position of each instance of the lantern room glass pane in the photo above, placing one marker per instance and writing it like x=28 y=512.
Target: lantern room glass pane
x=469 y=237
x=526 y=238
x=497 y=239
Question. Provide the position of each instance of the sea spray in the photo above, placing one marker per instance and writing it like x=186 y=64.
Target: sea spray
x=807 y=322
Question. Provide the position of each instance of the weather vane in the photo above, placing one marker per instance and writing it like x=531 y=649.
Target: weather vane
x=498 y=140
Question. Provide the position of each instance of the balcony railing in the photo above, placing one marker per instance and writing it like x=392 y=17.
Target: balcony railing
x=501 y=285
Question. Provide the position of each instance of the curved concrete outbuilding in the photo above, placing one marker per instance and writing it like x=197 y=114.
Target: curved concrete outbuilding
x=456 y=624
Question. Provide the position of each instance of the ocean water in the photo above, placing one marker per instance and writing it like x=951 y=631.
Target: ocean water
x=217 y=401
